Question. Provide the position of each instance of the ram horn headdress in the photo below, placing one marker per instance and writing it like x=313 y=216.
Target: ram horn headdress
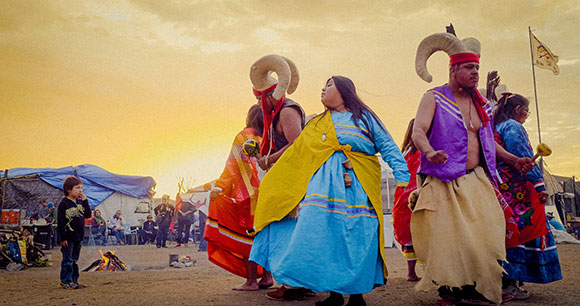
x=446 y=42
x=261 y=75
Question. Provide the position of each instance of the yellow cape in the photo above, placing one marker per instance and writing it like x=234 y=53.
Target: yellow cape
x=286 y=182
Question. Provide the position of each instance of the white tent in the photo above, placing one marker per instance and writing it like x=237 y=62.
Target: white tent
x=388 y=187
x=133 y=210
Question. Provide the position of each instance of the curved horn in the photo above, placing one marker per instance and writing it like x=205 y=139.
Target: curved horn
x=471 y=44
x=294 y=76
x=260 y=74
x=431 y=44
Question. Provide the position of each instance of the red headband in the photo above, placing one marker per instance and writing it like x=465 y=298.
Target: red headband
x=461 y=58
x=269 y=115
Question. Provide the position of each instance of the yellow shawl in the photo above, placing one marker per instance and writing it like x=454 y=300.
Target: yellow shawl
x=286 y=182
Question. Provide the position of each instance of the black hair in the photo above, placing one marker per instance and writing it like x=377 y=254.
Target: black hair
x=507 y=107
x=255 y=119
x=352 y=102
x=408 y=140
x=69 y=183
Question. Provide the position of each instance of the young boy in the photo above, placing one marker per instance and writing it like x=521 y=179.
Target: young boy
x=71 y=230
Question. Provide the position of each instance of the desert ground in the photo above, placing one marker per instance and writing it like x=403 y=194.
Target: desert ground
x=151 y=281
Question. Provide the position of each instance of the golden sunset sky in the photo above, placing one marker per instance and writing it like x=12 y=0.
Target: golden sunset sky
x=160 y=88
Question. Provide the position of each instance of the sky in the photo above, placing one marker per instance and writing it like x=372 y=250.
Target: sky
x=160 y=88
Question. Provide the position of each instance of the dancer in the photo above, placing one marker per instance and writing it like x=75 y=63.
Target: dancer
x=319 y=213
x=401 y=210
x=231 y=210
x=283 y=118
x=457 y=217
x=535 y=259
x=283 y=121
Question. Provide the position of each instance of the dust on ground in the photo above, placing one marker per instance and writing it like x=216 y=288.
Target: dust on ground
x=152 y=282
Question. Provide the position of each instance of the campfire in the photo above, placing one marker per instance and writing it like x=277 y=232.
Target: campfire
x=108 y=262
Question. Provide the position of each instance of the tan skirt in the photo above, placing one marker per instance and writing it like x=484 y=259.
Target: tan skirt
x=458 y=231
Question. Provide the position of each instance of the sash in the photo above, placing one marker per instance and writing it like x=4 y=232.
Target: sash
x=285 y=184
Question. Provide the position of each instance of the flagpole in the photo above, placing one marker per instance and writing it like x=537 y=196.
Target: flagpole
x=536 y=95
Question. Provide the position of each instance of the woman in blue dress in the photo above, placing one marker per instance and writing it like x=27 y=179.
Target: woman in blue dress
x=535 y=259
x=319 y=212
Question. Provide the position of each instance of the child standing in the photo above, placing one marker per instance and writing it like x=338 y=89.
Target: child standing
x=70 y=226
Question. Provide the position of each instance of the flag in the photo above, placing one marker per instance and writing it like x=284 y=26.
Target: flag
x=543 y=57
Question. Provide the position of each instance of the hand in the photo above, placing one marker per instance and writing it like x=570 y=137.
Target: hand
x=524 y=165
x=83 y=196
x=214 y=194
x=437 y=157
x=64 y=244
x=543 y=195
x=263 y=162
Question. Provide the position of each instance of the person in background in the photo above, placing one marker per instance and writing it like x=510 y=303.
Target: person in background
x=149 y=230
x=554 y=223
x=535 y=259
x=184 y=221
x=53 y=222
x=44 y=211
x=99 y=227
x=71 y=224
x=117 y=226
x=51 y=213
x=230 y=210
x=401 y=210
x=164 y=212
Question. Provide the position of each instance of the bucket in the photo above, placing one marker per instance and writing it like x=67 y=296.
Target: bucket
x=10 y=216
x=173 y=258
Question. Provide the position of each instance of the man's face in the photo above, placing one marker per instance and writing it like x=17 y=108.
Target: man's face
x=467 y=74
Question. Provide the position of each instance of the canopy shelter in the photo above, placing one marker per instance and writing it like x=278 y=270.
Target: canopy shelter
x=24 y=188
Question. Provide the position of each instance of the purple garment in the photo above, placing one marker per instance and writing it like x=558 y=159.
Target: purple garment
x=448 y=132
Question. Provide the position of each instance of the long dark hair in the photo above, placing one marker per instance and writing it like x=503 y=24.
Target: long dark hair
x=408 y=141
x=352 y=102
x=255 y=120
x=507 y=107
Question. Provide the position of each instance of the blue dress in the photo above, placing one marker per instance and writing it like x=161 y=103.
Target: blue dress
x=333 y=245
x=534 y=261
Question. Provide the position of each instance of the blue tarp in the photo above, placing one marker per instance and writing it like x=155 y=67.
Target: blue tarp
x=98 y=184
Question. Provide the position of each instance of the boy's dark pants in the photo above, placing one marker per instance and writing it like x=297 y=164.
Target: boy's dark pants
x=69 y=270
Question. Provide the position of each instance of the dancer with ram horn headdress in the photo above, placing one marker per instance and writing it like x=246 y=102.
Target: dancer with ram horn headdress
x=283 y=118
x=457 y=224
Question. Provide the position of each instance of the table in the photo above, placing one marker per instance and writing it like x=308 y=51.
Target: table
x=42 y=234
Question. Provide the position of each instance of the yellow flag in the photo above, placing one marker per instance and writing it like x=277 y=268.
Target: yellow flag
x=543 y=57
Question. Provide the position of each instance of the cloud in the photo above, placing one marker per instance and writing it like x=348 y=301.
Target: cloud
x=568 y=62
x=268 y=36
x=216 y=47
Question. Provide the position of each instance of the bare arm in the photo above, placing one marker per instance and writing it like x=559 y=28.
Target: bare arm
x=423 y=120
x=291 y=123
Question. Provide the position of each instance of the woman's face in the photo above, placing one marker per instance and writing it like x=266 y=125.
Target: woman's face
x=331 y=97
x=97 y=213
x=521 y=113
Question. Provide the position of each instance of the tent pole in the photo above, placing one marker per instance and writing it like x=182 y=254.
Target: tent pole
x=4 y=189
x=574 y=211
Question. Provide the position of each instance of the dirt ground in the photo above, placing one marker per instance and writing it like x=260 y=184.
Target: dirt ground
x=152 y=282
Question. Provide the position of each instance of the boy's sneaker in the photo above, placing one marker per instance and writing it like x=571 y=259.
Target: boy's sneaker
x=69 y=286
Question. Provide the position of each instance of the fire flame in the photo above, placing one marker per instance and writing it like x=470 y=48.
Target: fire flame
x=110 y=262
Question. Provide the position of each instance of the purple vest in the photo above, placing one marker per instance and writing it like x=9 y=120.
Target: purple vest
x=448 y=132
